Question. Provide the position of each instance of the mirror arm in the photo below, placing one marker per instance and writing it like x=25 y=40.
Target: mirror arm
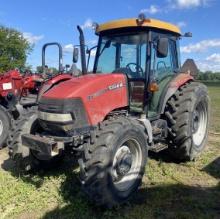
x=88 y=60
x=88 y=51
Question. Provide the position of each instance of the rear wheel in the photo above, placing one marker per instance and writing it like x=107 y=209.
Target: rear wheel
x=5 y=123
x=113 y=166
x=25 y=158
x=187 y=114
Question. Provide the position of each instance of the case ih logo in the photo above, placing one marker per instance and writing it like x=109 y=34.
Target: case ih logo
x=115 y=86
x=109 y=88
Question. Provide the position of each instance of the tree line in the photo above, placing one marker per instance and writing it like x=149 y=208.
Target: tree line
x=14 y=49
x=209 y=76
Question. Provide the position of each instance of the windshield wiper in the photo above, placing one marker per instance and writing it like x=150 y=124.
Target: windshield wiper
x=107 y=45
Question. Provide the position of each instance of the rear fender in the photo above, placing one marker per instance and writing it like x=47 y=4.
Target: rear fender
x=174 y=85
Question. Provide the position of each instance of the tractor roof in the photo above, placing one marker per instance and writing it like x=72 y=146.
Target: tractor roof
x=133 y=22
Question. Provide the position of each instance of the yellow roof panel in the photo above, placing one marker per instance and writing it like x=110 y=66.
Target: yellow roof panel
x=132 y=22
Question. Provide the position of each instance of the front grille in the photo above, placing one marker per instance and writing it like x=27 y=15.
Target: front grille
x=74 y=107
x=59 y=105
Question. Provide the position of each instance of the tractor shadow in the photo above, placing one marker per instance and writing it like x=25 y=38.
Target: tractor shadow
x=159 y=201
x=163 y=156
x=66 y=166
x=213 y=168
x=36 y=176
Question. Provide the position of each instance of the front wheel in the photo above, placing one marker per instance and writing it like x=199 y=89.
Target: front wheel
x=113 y=166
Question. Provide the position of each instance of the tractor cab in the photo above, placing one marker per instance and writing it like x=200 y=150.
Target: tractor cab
x=147 y=52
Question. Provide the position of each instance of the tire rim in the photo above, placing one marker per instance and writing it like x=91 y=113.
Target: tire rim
x=126 y=165
x=200 y=119
x=1 y=127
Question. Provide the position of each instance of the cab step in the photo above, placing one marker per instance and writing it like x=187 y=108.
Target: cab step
x=158 y=147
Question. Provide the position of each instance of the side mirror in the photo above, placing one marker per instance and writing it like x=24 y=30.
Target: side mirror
x=188 y=34
x=75 y=55
x=162 y=47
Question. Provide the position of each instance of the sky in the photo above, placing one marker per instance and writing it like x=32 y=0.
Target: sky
x=43 y=21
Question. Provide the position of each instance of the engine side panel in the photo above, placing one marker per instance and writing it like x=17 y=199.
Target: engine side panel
x=100 y=93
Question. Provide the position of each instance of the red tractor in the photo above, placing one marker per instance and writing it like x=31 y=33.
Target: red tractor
x=19 y=91
x=137 y=99
x=13 y=86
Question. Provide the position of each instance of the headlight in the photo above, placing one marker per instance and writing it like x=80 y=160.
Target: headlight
x=55 y=117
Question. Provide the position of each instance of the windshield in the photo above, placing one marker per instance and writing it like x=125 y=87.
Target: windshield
x=122 y=54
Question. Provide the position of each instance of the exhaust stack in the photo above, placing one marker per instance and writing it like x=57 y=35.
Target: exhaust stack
x=82 y=50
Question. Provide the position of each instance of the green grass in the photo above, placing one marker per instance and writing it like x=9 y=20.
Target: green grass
x=169 y=190
x=214 y=92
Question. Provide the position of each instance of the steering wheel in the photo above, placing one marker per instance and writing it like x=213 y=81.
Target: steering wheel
x=138 y=68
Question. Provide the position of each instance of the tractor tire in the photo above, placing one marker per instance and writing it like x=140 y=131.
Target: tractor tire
x=25 y=158
x=187 y=113
x=113 y=164
x=5 y=124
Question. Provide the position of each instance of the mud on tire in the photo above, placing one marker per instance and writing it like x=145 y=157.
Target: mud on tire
x=113 y=165
x=187 y=113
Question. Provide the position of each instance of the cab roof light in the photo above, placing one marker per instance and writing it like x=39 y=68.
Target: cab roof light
x=95 y=26
x=141 y=18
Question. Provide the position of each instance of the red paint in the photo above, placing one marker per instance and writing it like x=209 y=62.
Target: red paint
x=29 y=81
x=53 y=81
x=15 y=78
x=180 y=80
x=19 y=83
x=58 y=78
x=94 y=91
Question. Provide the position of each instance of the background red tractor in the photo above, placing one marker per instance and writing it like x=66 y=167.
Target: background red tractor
x=18 y=92
x=13 y=87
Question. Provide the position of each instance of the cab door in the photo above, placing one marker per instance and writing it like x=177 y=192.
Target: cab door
x=133 y=58
x=163 y=70
x=137 y=78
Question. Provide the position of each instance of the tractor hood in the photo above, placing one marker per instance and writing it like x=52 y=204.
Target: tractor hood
x=99 y=93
